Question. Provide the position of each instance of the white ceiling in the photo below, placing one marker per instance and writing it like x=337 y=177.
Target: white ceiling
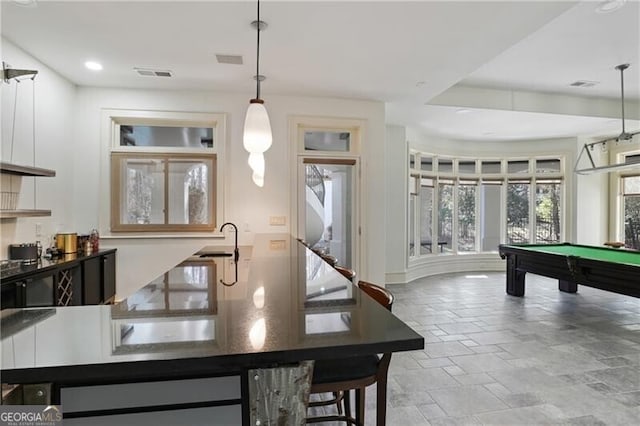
x=403 y=53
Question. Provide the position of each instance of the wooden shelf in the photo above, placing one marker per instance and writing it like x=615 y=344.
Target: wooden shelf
x=11 y=214
x=15 y=169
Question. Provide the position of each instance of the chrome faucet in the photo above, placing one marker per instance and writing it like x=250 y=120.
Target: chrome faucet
x=236 y=252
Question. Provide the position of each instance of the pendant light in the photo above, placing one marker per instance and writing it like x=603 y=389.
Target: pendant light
x=257 y=128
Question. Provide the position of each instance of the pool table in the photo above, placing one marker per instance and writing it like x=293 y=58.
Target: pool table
x=616 y=270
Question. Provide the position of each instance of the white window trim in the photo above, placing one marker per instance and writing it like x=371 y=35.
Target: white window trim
x=531 y=175
x=298 y=124
x=112 y=119
x=616 y=155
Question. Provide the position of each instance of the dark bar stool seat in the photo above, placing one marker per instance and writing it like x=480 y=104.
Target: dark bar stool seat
x=344 y=374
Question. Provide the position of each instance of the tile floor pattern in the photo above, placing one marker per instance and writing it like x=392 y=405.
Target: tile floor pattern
x=549 y=358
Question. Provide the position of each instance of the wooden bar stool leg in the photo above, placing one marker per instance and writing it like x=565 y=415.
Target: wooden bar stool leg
x=347 y=403
x=381 y=402
x=360 y=394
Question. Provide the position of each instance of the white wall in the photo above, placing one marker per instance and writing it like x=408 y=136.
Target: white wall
x=396 y=206
x=54 y=121
x=249 y=206
x=68 y=139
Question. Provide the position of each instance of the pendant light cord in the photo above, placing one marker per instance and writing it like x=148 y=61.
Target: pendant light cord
x=258 y=55
x=622 y=68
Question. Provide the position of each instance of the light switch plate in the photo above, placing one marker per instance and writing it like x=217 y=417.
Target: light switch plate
x=277 y=244
x=277 y=220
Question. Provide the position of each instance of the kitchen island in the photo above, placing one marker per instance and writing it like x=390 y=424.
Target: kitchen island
x=188 y=343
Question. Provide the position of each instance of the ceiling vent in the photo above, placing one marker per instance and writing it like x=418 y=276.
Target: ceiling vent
x=584 y=83
x=148 y=72
x=229 y=59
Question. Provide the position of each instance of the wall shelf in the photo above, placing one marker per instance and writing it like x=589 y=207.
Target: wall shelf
x=14 y=169
x=12 y=214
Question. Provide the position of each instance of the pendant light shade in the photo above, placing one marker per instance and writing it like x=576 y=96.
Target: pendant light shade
x=256 y=162
x=257 y=128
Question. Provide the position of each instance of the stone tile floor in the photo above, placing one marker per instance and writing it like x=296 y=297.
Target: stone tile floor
x=549 y=358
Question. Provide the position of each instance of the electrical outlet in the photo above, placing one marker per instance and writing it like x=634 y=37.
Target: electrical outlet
x=277 y=220
x=38 y=229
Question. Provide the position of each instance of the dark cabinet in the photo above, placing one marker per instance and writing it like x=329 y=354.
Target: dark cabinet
x=36 y=290
x=99 y=279
x=86 y=280
x=92 y=281
x=108 y=277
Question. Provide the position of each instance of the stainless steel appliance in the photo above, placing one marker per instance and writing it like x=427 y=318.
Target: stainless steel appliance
x=26 y=253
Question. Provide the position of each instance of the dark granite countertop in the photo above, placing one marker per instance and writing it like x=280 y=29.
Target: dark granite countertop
x=287 y=305
x=45 y=265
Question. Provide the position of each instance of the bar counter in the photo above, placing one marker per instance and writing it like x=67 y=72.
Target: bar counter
x=207 y=317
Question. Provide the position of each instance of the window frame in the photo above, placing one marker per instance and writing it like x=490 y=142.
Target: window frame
x=504 y=177
x=117 y=161
x=113 y=119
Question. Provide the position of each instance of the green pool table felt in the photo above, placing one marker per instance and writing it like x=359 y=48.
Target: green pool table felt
x=595 y=253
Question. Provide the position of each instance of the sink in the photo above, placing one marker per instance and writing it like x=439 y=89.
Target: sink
x=216 y=254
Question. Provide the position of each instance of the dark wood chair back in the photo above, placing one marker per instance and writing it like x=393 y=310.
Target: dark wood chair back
x=379 y=294
x=349 y=274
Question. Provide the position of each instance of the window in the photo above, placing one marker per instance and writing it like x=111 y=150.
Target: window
x=164 y=173
x=520 y=166
x=413 y=197
x=466 y=167
x=445 y=166
x=467 y=216
x=518 y=211
x=156 y=192
x=426 y=215
x=491 y=167
x=548 y=204
x=323 y=140
x=426 y=164
x=631 y=211
x=445 y=212
x=474 y=205
x=490 y=213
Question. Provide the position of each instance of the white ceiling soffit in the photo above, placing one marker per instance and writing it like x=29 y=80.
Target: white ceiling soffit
x=368 y=50
x=526 y=93
x=496 y=125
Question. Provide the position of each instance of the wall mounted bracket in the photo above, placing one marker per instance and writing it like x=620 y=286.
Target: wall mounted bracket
x=9 y=73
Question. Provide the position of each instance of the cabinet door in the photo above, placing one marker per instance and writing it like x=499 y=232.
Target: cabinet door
x=91 y=281
x=11 y=296
x=108 y=277
x=40 y=290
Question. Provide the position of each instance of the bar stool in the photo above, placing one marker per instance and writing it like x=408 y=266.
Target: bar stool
x=349 y=274
x=344 y=374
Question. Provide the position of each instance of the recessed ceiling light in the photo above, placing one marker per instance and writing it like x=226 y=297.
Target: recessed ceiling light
x=584 y=83
x=229 y=59
x=463 y=111
x=609 y=6
x=93 y=65
x=25 y=3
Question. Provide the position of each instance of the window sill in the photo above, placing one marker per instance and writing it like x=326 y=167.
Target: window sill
x=209 y=235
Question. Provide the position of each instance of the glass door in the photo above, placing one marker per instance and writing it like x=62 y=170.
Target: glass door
x=327 y=216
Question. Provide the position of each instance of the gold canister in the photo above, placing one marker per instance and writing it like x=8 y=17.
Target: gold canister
x=67 y=243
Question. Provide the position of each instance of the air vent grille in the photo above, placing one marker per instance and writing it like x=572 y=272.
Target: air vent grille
x=148 y=72
x=229 y=59
x=584 y=83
